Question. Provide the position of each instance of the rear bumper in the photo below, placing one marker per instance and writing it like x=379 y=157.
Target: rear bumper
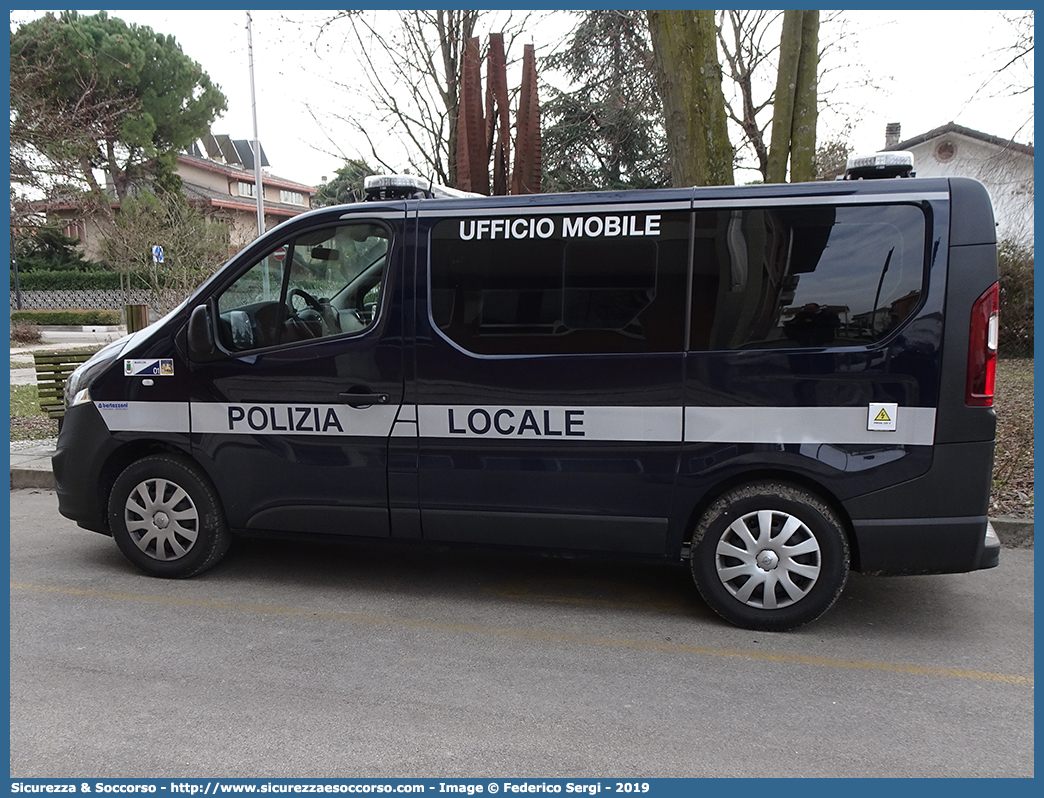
x=991 y=549
x=925 y=545
x=944 y=527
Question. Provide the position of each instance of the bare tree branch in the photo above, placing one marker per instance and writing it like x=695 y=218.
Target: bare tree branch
x=410 y=74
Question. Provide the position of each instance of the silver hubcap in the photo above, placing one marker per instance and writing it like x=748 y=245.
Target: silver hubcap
x=162 y=519
x=768 y=559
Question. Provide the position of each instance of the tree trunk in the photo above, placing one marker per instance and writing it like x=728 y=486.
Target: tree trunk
x=450 y=47
x=87 y=170
x=806 y=96
x=786 y=86
x=689 y=76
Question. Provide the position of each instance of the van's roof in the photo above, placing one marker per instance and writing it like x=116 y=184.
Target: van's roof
x=919 y=187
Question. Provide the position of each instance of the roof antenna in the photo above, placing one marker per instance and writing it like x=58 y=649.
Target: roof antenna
x=431 y=185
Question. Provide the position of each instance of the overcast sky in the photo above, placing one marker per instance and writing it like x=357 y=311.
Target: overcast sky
x=926 y=68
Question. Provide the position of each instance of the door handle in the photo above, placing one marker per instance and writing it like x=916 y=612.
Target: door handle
x=363 y=399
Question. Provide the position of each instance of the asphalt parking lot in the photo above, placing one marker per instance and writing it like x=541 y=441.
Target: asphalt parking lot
x=313 y=660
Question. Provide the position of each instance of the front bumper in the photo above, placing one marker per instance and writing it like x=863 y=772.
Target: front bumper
x=84 y=446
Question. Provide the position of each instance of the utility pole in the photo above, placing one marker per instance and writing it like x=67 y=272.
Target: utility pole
x=258 y=188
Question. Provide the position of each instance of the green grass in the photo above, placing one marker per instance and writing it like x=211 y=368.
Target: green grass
x=25 y=402
x=28 y=421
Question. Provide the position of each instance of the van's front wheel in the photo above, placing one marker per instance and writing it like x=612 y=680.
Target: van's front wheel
x=166 y=518
x=769 y=556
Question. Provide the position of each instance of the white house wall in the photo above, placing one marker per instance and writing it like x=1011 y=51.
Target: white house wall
x=1007 y=175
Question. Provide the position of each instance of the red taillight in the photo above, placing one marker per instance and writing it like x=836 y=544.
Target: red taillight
x=982 y=349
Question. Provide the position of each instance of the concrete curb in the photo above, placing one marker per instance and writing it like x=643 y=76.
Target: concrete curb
x=31 y=464
x=87 y=328
x=1014 y=533
x=31 y=478
x=31 y=468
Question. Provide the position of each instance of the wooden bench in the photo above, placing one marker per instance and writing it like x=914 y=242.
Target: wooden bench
x=52 y=370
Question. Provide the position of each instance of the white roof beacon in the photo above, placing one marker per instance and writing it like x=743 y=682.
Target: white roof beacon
x=879 y=165
x=386 y=187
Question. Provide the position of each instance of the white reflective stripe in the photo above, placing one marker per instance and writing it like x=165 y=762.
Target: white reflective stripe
x=915 y=426
x=405 y=422
x=145 y=416
x=407 y=412
x=773 y=425
x=292 y=419
x=404 y=429
x=551 y=422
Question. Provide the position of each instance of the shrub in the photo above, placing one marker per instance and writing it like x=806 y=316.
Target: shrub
x=77 y=318
x=48 y=280
x=195 y=247
x=25 y=332
x=1015 y=262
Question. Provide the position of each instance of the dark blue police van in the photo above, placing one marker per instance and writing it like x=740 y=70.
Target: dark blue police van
x=775 y=383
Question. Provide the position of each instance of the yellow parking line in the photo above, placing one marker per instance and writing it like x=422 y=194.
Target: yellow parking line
x=561 y=637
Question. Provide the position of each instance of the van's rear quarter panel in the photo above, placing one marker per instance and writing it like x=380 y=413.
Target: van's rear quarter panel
x=905 y=368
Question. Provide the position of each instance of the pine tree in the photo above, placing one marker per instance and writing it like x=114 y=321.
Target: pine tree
x=92 y=92
x=607 y=132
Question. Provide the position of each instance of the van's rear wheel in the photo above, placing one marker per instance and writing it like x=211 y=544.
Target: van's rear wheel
x=769 y=556
x=166 y=517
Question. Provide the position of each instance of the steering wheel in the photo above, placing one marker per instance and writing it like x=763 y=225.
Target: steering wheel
x=325 y=312
x=310 y=301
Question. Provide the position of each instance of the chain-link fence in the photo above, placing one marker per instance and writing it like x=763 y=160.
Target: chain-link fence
x=96 y=299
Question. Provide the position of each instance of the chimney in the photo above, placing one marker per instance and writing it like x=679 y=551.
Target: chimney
x=891 y=135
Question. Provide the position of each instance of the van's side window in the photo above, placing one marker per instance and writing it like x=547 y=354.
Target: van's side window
x=320 y=283
x=597 y=283
x=805 y=276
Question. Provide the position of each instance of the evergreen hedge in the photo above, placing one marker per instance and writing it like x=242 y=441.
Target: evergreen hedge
x=75 y=318
x=72 y=281
x=1016 y=299
x=45 y=280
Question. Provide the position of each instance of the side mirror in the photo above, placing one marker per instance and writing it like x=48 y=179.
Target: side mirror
x=200 y=336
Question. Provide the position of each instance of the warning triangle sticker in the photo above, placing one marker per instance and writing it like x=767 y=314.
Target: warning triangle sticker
x=882 y=416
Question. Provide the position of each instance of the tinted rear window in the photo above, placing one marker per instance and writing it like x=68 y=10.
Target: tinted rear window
x=805 y=276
